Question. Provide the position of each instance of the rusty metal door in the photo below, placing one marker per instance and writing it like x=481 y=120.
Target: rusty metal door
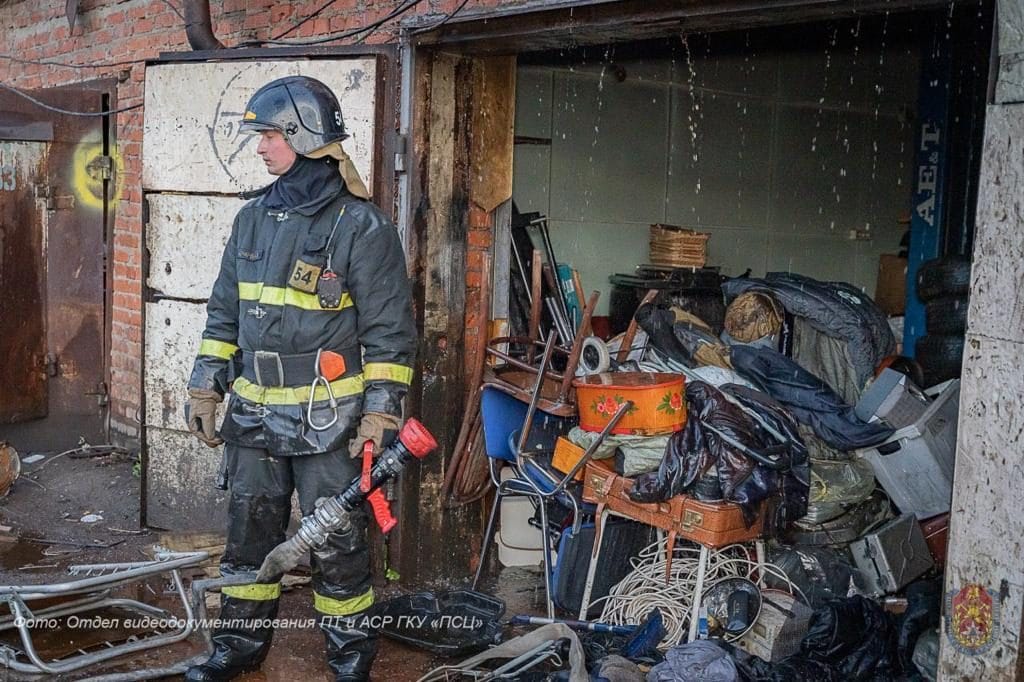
x=56 y=397
x=23 y=339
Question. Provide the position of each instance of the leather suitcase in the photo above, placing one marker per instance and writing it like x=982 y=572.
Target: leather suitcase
x=936 y=533
x=713 y=524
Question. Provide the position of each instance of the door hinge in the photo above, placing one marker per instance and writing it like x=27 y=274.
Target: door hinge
x=50 y=364
x=101 y=393
x=400 y=147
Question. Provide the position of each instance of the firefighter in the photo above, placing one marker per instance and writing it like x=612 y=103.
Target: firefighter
x=312 y=267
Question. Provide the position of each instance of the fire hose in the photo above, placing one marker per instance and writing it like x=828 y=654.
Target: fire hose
x=414 y=442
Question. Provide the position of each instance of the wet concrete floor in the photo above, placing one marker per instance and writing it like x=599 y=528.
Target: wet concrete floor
x=297 y=652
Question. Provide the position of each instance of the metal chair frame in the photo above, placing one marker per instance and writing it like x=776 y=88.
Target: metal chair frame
x=95 y=585
x=523 y=486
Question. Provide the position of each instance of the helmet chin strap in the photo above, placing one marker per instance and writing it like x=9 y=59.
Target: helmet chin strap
x=348 y=171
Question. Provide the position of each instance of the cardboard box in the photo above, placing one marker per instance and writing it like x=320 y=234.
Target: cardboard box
x=891 y=288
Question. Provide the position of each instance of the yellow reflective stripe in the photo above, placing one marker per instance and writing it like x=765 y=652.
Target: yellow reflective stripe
x=249 y=291
x=253 y=591
x=387 y=371
x=297 y=395
x=218 y=349
x=342 y=607
x=255 y=291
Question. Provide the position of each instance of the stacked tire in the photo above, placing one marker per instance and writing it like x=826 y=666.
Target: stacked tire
x=944 y=285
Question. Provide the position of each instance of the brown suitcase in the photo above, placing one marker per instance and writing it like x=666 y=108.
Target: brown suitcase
x=714 y=524
x=936 y=533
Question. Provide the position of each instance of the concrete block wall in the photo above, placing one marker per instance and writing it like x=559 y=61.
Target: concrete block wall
x=111 y=39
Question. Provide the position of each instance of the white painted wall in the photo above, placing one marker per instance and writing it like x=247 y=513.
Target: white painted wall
x=194 y=164
x=778 y=154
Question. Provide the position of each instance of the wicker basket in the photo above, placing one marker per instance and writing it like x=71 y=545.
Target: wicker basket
x=678 y=247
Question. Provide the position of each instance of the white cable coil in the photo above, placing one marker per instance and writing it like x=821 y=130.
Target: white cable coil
x=632 y=600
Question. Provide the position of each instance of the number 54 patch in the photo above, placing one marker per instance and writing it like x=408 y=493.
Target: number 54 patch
x=304 y=276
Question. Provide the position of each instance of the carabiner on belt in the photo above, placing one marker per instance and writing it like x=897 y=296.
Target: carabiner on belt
x=320 y=378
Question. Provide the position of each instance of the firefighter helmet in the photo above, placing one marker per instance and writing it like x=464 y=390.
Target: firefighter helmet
x=303 y=109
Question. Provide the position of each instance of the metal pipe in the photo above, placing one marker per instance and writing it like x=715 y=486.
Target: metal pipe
x=199 y=26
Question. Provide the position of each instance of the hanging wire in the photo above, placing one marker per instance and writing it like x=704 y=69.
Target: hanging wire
x=174 y=9
x=443 y=21
x=68 y=112
x=312 y=16
x=71 y=65
x=337 y=36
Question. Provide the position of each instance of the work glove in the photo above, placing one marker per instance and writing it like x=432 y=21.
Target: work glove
x=376 y=426
x=201 y=415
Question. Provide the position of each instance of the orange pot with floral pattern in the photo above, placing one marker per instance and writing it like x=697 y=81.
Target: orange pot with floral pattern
x=658 y=408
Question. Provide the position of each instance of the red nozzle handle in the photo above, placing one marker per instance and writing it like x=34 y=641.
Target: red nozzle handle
x=416 y=439
x=366 y=480
x=381 y=510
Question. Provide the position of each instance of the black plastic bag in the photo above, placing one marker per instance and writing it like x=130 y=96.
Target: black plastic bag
x=754 y=669
x=924 y=604
x=718 y=440
x=855 y=637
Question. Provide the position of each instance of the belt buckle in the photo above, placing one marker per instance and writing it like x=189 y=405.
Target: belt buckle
x=263 y=361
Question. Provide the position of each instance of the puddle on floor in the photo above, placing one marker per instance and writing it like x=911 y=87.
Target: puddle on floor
x=19 y=553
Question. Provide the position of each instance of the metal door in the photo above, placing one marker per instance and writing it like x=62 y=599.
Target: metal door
x=64 y=175
x=22 y=308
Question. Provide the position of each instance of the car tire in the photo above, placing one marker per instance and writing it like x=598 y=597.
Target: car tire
x=944 y=277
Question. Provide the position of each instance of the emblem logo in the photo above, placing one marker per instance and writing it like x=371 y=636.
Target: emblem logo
x=972 y=616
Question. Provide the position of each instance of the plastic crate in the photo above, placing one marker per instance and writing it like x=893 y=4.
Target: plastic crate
x=915 y=465
x=892 y=398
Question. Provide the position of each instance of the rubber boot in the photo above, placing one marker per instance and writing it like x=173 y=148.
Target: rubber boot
x=351 y=648
x=237 y=650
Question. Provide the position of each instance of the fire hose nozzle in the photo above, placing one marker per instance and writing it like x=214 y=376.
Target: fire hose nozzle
x=414 y=442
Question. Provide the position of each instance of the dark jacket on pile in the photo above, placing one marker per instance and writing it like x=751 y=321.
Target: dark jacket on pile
x=807 y=397
x=836 y=309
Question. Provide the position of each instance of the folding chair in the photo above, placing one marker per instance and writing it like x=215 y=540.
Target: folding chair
x=531 y=479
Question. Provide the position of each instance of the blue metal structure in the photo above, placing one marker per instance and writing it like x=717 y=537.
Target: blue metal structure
x=932 y=142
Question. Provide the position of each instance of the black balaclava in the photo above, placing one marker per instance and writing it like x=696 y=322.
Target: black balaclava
x=308 y=186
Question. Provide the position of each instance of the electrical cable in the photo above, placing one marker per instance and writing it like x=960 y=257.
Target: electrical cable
x=70 y=65
x=444 y=21
x=174 y=9
x=369 y=28
x=68 y=112
x=645 y=588
x=324 y=6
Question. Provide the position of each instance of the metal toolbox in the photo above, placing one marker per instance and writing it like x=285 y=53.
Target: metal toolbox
x=892 y=556
x=779 y=627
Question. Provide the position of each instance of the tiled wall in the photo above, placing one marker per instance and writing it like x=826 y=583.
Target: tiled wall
x=778 y=152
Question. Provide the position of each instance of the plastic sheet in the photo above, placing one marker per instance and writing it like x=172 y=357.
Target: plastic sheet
x=924 y=603
x=855 y=637
x=822 y=573
x=719 y=435
x=702 y=661
x=926 y=655
x=640 y=454
x=837 y=487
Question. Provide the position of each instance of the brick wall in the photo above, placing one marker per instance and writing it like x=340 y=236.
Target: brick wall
x=107 y=32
